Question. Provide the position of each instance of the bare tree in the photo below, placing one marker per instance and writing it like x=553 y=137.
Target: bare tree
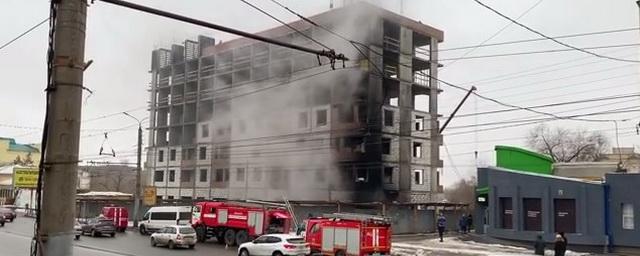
x=566 y=145
x=462 y=191
x=112 y=180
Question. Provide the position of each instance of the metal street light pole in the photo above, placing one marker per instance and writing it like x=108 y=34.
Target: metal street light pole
x=136 y=197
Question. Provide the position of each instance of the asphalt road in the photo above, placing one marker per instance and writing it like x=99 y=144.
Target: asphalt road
x=15 y=240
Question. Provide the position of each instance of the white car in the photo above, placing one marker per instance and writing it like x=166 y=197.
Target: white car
x=175 y=235
x=275 y=245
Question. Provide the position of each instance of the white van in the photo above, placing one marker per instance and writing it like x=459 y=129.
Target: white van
x=159 y=217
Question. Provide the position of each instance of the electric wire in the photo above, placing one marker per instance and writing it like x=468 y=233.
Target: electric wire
x=285 y=24
x=36 y=240
x=541 y=39
x=24 y=33
x=554 y=104
x=583 y=74
x=536 y=52
x=492 y=36
x=551 y=38
x=528 y=71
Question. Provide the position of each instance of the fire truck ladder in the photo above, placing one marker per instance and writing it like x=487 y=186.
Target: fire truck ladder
x=355 y=216
x=290 y=209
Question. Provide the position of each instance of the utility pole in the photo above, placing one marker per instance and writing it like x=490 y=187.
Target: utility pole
x=64 y=92
x=136 y=196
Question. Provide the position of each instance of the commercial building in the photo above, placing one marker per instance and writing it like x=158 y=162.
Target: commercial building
x=517 y=204
x=12 y=152
x=247 y=120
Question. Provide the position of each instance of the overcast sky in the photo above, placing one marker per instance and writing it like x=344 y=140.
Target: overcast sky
x=120 y=42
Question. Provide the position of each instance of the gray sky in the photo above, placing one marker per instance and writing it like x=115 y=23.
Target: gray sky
x=120 y=42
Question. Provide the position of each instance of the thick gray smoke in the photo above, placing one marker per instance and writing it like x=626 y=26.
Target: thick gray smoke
x=280 y=139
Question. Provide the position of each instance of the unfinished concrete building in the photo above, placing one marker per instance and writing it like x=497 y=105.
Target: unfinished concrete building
x=247 y=120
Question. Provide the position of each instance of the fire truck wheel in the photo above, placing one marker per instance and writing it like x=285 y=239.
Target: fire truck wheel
x=230 y=237
x=340 y=253
x=242 y=237
x=220 y=238
x=201 y=234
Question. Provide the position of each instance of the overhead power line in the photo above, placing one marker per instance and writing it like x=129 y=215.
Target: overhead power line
x=554 y=104
x=24 y=33
x=285 y=24
x=538 y=52
x=336 y=34
x=515 y=106
x=551 y=38
x=565 y=86
x=583 y=74
x=492 y=36
x=541 y=39
x=608 y=112
x=329 y=54
x=544 y=67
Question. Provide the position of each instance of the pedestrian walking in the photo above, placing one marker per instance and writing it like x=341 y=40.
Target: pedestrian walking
x=469 y=222
x=442 y=223
x=539 y=246
x=560 y=246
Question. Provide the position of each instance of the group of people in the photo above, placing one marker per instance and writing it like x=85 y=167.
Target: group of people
x=559 y=246
x=464 y=224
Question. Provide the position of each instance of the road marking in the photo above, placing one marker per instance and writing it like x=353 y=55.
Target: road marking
x=80 y=246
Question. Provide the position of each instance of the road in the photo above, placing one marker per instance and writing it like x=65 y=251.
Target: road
x=15 y=240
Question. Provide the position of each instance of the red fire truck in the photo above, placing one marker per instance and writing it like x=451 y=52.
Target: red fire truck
x=342 y=234
x=236 y=223
x=118 y=214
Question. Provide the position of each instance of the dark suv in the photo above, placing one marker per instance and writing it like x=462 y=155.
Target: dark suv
x=8 y=213
x=98 y=227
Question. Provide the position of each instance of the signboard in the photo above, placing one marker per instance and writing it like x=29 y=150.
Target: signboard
x=149 y=196
x=25 y=177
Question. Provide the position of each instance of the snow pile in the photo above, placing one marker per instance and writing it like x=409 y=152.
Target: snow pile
x=103 y=193
x=455 y=246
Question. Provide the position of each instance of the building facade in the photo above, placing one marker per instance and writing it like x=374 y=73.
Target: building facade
x=15 y=153
x=627 y=156
x=592 y=202
x=247 y=120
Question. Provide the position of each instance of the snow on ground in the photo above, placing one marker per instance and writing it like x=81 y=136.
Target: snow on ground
x=456 y=246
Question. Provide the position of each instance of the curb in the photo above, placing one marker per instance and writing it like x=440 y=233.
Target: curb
x=103 y=250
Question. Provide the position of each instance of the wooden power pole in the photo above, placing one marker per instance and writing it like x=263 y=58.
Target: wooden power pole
x=55 y=229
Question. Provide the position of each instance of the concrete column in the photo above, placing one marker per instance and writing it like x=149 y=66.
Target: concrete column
x=436 y=138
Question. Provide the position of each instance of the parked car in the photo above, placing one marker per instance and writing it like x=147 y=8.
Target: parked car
x=159 y=217
x=175 y=235
x=8 y=213
x=98 y=227
x=276 y=245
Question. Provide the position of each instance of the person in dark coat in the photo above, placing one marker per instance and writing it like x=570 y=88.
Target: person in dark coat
x=469 y=222
x=560 y=246
x=462 y=223
x=442 y=223
x=539 y=246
